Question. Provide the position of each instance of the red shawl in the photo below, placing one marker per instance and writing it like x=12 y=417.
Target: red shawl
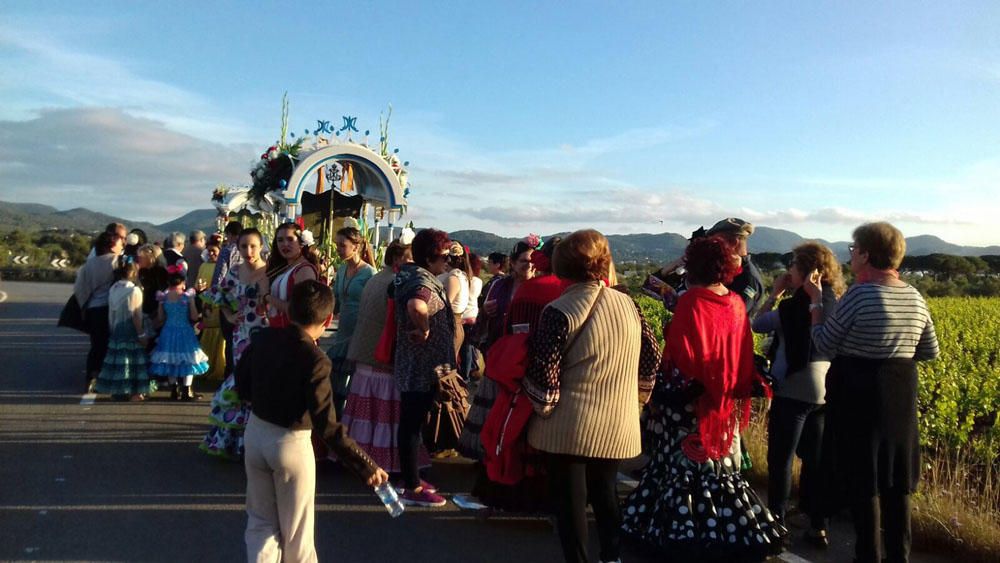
x=709 y=341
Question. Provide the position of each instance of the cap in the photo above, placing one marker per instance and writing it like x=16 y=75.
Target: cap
x=731 y=226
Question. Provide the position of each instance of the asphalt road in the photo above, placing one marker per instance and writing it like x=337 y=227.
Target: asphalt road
x=111 y=481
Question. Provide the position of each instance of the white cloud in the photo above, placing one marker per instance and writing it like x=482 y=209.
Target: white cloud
x=110 y=161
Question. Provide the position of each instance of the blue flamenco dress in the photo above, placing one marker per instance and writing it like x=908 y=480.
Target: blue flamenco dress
x=177 y=352
x=229 y=414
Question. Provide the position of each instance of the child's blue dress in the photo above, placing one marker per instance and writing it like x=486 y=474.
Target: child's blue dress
x=177 y=352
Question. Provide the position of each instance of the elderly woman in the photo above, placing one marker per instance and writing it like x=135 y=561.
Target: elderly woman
x=692 y=502
x=591 y=366
x=425 y=331
x=877 y=333
x=796 y=419
x=91 y=288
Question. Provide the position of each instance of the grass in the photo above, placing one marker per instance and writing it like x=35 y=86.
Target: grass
x=956 y=510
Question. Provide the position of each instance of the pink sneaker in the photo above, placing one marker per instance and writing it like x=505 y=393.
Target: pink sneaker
x=423 y=498
x=400 y=487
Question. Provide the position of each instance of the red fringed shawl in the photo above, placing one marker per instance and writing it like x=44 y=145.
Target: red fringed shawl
x=709 y=341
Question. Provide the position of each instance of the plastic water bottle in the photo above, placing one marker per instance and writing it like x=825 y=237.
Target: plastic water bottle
x=387 y=494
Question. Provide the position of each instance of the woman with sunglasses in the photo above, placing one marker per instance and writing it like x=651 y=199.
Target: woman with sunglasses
x=425 y=330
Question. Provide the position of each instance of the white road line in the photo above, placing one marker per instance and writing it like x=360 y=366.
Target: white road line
x=3 y=296
x=88 y=398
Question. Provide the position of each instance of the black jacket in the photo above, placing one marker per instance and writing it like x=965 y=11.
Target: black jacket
x=286 y=378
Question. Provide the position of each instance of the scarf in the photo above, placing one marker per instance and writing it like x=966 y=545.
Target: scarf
x=709 y=342
x=796 y=329
x=410 y=279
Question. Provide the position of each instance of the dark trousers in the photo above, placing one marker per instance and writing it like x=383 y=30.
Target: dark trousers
x=227 y=329
x=96 y=319
x=891 y=508
x=795 y=428
x=414 y=407
x=467 y=352
x=573 y=481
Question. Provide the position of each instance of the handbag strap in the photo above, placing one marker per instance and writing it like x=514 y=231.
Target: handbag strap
x=590 y=315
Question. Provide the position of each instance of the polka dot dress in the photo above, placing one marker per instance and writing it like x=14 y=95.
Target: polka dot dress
x=695 y=511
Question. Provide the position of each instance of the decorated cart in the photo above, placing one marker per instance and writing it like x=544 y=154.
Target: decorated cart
x=323 y=179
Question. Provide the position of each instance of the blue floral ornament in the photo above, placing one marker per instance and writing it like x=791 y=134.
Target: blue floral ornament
x=283 y=184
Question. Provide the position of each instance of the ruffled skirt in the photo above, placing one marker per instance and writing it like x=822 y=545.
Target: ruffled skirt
x=124 y=369
x=229 y=419
x=692 y=511
x=177 y=353
x=372 y=417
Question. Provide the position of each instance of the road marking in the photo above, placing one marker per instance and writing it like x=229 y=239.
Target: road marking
x=3 y=296
x=88 y=398
x=67 y=456
x=60 y=479
x=792 y=558
x=43 y=512
x=31 y=549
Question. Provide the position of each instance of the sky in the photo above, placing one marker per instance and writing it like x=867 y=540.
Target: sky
x=524 y=117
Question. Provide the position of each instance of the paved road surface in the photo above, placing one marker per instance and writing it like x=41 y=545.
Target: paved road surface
x=115 y=481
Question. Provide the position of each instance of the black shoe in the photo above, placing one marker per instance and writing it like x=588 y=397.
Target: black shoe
x=175 y=392
x=817 y=538
x=188 y=394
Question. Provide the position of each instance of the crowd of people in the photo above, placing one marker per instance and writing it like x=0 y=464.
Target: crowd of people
x=546 y=375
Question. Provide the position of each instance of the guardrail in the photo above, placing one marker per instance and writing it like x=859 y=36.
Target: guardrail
x=38 y=274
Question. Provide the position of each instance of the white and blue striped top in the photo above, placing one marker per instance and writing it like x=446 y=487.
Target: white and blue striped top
x=879 y=322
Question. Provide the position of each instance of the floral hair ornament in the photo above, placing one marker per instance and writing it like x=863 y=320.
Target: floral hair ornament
x=177 y=268
x=307 y=238
x=456 y=249
x=533 y=241
x=351 y=222
x=406 y=236
x=132 y=239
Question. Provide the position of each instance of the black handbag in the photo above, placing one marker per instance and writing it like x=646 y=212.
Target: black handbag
x=72 y=315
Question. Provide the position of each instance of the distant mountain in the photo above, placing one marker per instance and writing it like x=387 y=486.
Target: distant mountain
x=645 y=247
x=201 y=220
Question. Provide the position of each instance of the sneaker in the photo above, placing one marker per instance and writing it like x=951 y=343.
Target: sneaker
x=423 y=498
x=424 y=486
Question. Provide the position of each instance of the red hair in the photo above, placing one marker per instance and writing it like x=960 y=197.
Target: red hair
x=711 y=260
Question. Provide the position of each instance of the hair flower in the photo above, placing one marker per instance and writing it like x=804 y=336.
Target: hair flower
x=533 y=240
x=307 y=238
x=456 y=249
x=351 y=222
x=132 y=239
x=406 y=236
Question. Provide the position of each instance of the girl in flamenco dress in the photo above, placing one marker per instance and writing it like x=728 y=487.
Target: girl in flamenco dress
x=243 y=291
x=123 y=375
x=177 y=355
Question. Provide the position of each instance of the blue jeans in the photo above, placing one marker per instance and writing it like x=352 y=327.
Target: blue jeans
x=795 y=428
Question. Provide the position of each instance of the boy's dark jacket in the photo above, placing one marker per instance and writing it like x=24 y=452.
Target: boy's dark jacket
x=286 y=379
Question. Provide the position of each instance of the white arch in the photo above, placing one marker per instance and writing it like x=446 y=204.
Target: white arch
x=390 y=194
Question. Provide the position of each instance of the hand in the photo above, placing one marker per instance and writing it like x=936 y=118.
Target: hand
x=490 y=307
x=378 y=478
x=418 y=335
x=814 y=286
x=781 y=283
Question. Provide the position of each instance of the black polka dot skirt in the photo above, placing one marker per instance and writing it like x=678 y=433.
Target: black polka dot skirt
x=695 y=511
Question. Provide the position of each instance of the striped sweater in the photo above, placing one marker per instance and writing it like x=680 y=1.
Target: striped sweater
x=879 y=322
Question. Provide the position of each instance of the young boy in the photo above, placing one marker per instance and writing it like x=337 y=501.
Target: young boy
x=286 y=378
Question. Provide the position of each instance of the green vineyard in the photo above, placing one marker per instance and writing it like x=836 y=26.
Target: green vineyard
x=960 y=391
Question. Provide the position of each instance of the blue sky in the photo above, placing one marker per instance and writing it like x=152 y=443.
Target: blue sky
x=522 y=117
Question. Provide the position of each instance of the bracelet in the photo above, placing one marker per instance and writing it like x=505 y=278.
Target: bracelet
x=815 y=307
